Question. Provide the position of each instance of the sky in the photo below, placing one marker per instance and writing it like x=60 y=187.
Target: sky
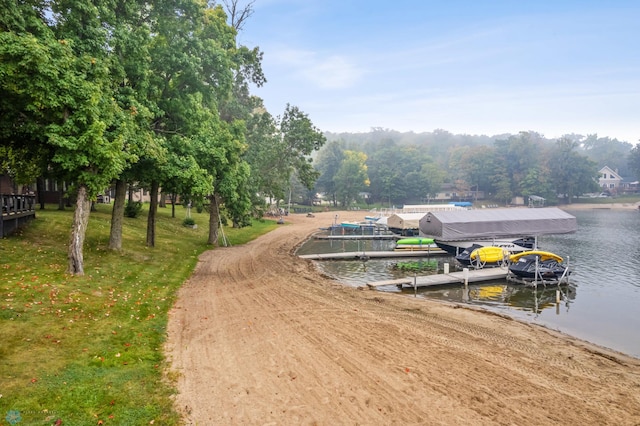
x=478 y=67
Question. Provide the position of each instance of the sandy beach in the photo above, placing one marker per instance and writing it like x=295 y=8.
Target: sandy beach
x=260 y=337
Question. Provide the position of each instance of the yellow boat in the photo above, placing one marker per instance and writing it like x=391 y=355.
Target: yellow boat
x=479 y=256
x=488 y=254
x=544 y=255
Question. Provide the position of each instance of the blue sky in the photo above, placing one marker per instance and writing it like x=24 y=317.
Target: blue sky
x=468 y=67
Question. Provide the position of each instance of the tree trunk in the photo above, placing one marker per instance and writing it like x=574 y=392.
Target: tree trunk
x=40 y=190
x=214 y=220
x=60 y=196
x=117 y=216
x=163 y=201
x=151 y=219
x=78 y=232
x=174 y=197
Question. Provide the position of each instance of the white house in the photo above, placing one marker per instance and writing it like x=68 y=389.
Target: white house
x=609 y=179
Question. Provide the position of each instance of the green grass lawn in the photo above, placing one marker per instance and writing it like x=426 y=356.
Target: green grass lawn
x=89 y=350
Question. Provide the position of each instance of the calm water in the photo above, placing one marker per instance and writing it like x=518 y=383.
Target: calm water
x=601 y=304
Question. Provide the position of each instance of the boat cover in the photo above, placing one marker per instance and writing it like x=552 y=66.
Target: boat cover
x=404 y=220
x=496 y=223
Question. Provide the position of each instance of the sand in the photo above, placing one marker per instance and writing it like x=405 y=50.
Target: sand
x=260 y=337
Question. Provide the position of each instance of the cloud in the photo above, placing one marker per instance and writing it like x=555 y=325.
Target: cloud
x=324 y=72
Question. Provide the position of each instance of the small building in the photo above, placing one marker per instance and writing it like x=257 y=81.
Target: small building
x=609 y=179
x=536 y=201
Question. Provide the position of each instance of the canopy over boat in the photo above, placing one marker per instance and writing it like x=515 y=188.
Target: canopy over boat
x=496 y=223
x=404 y=220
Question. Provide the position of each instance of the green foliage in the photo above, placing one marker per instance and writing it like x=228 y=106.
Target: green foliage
x=416 y=265
x=188 y=221
x=351 y=177
x=634 y=161
x=132 y=209
x=85 y=349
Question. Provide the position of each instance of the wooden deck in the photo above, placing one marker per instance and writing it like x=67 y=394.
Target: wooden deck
x=475 y=275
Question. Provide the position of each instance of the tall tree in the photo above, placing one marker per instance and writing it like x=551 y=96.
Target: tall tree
x=572 y=173
x=328 y=163
x=56 y=95
x=299 y=139
x=634 y=161
x=351 y=177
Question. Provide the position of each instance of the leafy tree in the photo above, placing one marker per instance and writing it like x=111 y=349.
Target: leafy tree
x=328 y=163
x=607 y=152
x=634 y=161
x=351 y=178
x=385 y=172
x=571 y=173
x=281 y=149
x=263 y=155
x=56 y=97
x=475 y=166
x=299 y=139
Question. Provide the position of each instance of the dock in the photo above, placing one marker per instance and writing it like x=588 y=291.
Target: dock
x=358 y=237
x=373 y=254
x=474 y=275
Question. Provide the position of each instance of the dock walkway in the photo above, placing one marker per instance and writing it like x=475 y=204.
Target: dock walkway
x=474 y=275
x=358 y=237
x=373 y=254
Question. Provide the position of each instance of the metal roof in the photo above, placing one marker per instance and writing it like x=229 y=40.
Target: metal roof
x=496 y=223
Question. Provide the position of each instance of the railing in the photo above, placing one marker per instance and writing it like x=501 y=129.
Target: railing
x=16 y=211
x=14 y=204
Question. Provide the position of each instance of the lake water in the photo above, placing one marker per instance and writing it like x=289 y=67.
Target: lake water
x=601 y=304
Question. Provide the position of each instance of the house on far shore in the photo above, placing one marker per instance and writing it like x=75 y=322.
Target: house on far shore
x=609 y=180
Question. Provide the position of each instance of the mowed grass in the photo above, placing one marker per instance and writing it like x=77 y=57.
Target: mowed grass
x=89 y=350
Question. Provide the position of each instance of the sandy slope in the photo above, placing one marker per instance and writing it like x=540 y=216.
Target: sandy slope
x=259 y=337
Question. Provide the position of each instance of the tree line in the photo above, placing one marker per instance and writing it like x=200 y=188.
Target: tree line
x=154 y=93
x=403 y=168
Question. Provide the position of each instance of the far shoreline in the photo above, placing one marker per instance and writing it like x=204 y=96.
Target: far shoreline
x=602 y=206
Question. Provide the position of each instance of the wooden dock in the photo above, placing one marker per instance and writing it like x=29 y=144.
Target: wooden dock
x=358 y=237
x=475 y=275
x=373 y=254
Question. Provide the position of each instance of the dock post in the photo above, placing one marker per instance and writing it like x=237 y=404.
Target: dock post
x=465 y=274
x=446 y=268
x=415 y=284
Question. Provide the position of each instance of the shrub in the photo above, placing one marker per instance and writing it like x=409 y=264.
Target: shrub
x=132 y=209
x=188 y=221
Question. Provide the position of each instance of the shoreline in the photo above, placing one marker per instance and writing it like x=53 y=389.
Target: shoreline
x=608 y=206
x=259 y=336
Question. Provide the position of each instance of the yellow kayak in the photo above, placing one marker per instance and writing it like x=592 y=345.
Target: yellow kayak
x=488 y=254
x=544 y=255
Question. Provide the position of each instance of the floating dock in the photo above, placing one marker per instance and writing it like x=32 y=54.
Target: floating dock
x=362 y=255
x=474 y=275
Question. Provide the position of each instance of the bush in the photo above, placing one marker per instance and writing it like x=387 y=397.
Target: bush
x=188 y=221
x=132 y=209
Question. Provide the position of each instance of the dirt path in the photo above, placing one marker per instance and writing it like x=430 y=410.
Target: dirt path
x=259 y=337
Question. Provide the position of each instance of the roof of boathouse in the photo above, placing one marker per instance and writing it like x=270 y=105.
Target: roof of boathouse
x=496 y=223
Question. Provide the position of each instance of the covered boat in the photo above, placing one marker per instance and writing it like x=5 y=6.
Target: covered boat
x=514 y=229
x=406 y=224
x=537 y=264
